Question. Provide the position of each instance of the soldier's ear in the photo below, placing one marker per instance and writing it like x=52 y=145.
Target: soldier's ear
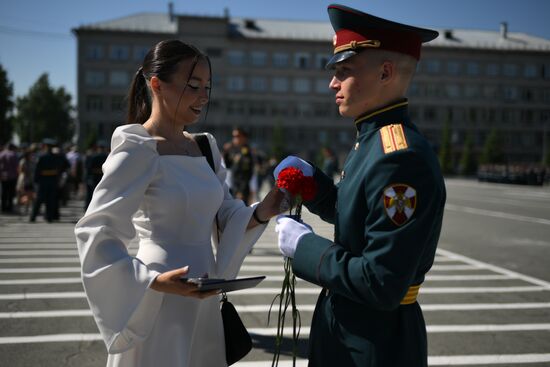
x=387 y=71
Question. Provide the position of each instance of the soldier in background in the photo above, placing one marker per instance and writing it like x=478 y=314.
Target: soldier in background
x=46 y=178
x=93 y=171
x=238 y=158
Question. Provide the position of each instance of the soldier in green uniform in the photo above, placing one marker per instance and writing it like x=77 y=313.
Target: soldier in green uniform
x=387 y=208
x=46 y=178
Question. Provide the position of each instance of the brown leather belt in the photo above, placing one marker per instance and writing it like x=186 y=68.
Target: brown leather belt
x=48 y=172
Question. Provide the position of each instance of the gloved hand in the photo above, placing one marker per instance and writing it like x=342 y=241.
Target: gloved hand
x=290 y=232
x=292 y=161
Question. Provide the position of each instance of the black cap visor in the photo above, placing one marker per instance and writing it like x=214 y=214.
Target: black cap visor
x=339 y=57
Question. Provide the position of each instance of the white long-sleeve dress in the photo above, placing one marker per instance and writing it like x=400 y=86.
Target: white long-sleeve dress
x=169 y=202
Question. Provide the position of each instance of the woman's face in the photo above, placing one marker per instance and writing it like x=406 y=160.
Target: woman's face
x=184 y=96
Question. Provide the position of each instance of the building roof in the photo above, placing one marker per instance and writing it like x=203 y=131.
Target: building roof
x=322 y=31
x=141 y=22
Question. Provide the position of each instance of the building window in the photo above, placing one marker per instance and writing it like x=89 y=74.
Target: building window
x=236 y=58
x=301 y=60
x=321 y=86
x=414 y=89
x=453 y=67
x=258 y=108
x=510 y=93
x=546 y=95
x=258 y=58
x=94 y=78
x=235 y=108
x=258 y=84
x=430 y=114
x=471 y=91
x=510 y=70
x=302 y=85
x=321 y=109
x=530 y=71
x=94 y=52
x=118 y=103
x=280 y=60
x=490 y=91
x=235 y=83
x=119 y=52
x=119 y=78
x=432 y=66
x=140 y=52
x=344 y=137
x=214 y=52
x=94 y=103
x=453 y=91
x=279 y=84
x=546 y=72
x=321 y=60
x=472 y=68
x=493 y=69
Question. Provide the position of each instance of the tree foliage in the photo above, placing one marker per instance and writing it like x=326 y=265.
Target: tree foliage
x=445 y=151
x=492 y=149
x=278 y=142
x=6 y=107
x=45 y=112
x=468 y=164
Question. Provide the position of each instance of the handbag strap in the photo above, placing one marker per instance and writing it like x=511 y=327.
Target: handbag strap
x=206 y=150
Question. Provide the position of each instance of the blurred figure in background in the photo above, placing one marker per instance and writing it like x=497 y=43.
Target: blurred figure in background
x=330 y=162
x=8 y=175
x=75 y=171
x=93 y=170
x=46 y=178
x=238 y=158
x=25 y=180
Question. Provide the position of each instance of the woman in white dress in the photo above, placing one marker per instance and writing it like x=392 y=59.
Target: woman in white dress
x=158 y=186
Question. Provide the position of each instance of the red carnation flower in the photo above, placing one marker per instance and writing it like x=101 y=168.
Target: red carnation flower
x=309 y=188
x=291 y=179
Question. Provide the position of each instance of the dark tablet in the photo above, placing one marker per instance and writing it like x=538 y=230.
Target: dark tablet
x=225 y=285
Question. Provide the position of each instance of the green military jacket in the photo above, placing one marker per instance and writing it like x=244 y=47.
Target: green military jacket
x=387 y=211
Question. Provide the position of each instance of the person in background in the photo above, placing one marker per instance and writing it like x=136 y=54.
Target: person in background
x=93 y=171
x=330 y=162
x=238 y=158
x=46 y=178
x=25 y=181
x=8 y=175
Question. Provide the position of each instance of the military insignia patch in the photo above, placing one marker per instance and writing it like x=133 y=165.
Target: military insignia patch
x=399 y=202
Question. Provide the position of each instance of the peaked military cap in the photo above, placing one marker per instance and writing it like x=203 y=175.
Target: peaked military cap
x=356 y=31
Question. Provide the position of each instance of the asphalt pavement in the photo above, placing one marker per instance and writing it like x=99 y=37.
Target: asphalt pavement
x=486 y=300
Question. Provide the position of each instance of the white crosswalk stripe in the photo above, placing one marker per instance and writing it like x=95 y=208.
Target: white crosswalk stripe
x=40 y=283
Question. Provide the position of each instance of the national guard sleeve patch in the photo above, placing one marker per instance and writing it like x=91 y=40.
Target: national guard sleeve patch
x=393 y=138
x=399 y=202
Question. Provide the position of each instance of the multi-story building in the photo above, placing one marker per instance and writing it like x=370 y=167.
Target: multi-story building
x=269 y=75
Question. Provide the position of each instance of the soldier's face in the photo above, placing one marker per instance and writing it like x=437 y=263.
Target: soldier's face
x=356 y=82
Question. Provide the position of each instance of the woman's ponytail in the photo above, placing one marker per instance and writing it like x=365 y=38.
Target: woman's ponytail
x=139 y=104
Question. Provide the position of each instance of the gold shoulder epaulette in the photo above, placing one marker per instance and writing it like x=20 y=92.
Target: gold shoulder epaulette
x=393 y=138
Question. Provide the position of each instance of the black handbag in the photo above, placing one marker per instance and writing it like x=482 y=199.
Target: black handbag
x=237 y=340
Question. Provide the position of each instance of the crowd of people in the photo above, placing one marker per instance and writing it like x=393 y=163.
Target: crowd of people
x=518 y=174
x=48 y=174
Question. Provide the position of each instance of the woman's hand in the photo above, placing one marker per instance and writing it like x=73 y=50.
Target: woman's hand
x=170 y=282
x=273 y=204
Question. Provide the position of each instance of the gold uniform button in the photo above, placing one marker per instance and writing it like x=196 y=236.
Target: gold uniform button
x=356 y=146
x=342 y=175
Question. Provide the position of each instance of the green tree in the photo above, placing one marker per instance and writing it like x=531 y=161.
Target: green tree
x=44 y=112
x=6 y=106
x=468 y=164
x=492 y=149
x=445 y=151
x=278 y=141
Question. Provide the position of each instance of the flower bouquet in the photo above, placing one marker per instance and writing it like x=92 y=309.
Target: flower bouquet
x=301 y=188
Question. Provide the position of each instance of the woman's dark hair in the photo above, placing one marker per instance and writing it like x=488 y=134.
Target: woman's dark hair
x=161 y=61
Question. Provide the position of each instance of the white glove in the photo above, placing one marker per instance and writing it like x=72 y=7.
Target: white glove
x=290 y=232
x=292 y=161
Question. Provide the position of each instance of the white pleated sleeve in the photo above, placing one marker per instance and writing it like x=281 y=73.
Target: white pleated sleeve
x=117 y=284
x=235 y=241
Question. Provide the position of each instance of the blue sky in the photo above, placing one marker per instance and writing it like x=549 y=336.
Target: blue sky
x=35 y=35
